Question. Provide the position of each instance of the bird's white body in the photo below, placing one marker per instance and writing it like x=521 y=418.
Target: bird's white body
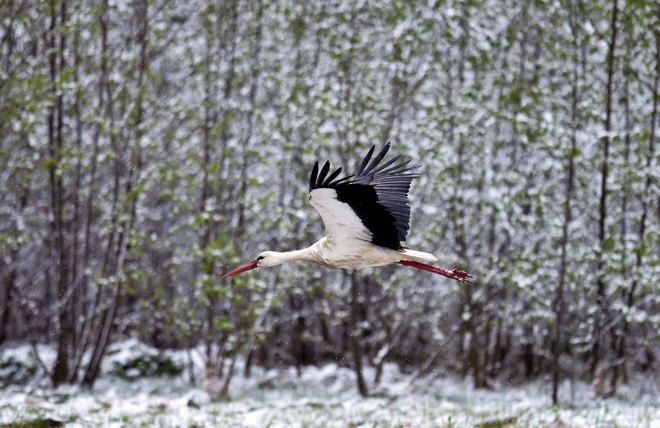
x=363 y=254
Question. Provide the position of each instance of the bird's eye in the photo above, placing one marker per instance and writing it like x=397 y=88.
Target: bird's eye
x=260 y=258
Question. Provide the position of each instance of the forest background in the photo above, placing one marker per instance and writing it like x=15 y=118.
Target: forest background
x=147 y=146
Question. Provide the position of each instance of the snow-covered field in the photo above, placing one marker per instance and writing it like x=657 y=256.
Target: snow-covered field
x=324 y=397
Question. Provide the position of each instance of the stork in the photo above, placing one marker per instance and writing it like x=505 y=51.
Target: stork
x=366 y=216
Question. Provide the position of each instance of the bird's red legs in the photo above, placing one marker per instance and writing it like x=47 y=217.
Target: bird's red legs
x=451 y=273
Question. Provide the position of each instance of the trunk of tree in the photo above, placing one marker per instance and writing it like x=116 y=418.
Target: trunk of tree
x=77 y=309
x=8 y=275
x=354 y=335
x=618 y=333
x=568 y=215
x=205 y=266
x=56 y=144
x=473 y=361
x=528 y=354
x=601 y=297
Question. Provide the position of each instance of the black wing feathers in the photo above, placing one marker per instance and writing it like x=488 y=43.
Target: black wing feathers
x=331 y=177
x=378 y=195
x=313 y=176
x=365 y=161
x=318 y=179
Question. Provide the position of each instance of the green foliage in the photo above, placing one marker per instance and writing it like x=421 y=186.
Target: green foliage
x=146 y=365
x=16 y=372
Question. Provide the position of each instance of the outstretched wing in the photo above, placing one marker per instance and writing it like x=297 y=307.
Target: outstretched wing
x=370 y=205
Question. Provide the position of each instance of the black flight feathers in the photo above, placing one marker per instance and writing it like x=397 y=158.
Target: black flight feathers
x=319 y=180
x=377 y=194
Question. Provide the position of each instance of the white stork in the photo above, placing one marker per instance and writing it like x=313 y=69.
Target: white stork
x=366 y=216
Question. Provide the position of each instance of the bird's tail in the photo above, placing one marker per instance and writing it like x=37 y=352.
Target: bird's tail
x=418 y=256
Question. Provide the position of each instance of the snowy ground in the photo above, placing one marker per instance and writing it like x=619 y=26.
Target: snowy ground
x=323 y=397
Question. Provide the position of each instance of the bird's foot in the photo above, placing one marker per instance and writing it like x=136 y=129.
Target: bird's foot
x=459 y=275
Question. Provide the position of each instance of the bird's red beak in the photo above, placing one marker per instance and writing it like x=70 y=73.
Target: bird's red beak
x=246 y=267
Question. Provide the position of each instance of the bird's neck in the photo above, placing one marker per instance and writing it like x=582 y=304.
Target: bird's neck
x=305 y=255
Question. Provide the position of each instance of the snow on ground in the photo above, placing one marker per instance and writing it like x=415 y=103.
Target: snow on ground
x=324 y=396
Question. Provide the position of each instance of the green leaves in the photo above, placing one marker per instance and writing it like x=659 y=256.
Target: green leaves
x=181 y=164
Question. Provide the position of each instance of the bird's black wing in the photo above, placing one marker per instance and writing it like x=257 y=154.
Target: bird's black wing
x=377 y=194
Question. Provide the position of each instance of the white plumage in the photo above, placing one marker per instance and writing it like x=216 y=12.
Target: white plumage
x=342 y=226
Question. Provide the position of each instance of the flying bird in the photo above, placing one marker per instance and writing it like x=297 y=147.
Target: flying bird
x=366 y=217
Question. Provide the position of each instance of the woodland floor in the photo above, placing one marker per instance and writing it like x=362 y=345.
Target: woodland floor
x=318 y=397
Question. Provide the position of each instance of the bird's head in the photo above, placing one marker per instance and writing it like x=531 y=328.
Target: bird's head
x=264 y=259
